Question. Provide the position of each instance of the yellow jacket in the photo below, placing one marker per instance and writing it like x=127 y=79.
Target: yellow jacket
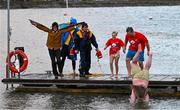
x=53 y=40
x=70 y=36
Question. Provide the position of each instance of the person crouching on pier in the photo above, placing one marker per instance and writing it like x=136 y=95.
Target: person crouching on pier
x=53 y=43
x=140 y=81
x=84 y=39
x=114 y=52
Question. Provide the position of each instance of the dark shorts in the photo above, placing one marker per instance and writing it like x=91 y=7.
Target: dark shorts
x=132 y=53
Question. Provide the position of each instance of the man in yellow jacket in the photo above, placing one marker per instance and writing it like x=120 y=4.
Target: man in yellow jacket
x=53 y=43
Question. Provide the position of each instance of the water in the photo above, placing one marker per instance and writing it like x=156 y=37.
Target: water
x=159 y=24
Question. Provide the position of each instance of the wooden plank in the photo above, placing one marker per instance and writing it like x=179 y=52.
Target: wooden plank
x=70 y=81
x=86 y=82
x=126 y=91
x=152 y=77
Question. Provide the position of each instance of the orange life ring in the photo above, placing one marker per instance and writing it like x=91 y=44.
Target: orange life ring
x=25 y=61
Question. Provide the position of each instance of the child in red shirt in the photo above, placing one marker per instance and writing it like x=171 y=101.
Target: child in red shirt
x=116 y=45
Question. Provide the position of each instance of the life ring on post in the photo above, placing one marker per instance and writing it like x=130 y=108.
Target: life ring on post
x=25 y=61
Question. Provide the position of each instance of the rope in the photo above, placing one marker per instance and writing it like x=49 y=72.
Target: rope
x=100 y=67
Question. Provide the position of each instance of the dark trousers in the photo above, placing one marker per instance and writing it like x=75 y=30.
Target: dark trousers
x=64 y=54
x=55 y=57
x=85 y=62
x=74 y=64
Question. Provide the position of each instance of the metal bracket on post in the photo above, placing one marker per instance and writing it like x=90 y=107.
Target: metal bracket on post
x=12 y=76
x=7 y=86
x=19 y=77
x=178 y=88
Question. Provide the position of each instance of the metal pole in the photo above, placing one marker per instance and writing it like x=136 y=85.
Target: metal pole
x=67 y=4
x=8 y=37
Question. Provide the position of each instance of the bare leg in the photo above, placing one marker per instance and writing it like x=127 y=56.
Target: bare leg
x=141 y=65
x=116 y=65
x=149 y=61
x=111 y=65
x=128 y=66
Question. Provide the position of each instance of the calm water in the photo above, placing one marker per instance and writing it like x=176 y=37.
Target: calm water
x=159 y=24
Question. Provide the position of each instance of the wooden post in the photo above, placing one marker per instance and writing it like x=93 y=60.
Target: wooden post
x=8 y=38
x=67 y=6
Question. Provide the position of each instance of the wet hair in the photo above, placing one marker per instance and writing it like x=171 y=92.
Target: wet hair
x=55 y=24
x=115 y=32
x=84 y=25
x=140 y=91
x=129 y=29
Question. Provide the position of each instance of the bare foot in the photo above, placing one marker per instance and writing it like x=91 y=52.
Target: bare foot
x=116 y=76
x=112 y=75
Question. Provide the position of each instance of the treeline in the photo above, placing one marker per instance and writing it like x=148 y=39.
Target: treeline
x=85 y=3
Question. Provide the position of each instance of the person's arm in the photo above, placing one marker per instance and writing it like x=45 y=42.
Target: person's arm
x=40 y=26
x=76 y=43
x=69 y=28
x=122 y=44
x=148 y=48
x=125 y=44
x=107 y=44
x=105 y=47
x=133 y=96
x=135 y=58
x=94 y=42
x=145 y=40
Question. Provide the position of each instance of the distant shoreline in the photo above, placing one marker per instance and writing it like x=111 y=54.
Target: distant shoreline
x=20 y=4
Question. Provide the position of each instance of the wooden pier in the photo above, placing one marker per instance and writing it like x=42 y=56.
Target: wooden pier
x=159 y=85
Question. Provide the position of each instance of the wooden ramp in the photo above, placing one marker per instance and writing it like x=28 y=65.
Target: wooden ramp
x=159 y=85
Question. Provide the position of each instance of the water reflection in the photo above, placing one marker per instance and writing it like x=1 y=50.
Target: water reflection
x=141 y=105
x=13 y=100
x=90 y=101
x=70 y=101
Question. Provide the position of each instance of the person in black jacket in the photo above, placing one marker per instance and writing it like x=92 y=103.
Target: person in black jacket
x=84 y=39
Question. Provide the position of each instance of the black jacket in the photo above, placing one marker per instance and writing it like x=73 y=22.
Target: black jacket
x=83 y=42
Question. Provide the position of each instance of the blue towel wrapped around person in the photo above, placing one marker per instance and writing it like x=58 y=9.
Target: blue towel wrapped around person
x=67 y=41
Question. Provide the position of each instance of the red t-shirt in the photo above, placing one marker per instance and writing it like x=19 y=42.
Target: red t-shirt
x=135 y=40
x=115 y=44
